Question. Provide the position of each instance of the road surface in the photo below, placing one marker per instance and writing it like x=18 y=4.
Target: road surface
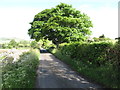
x=52 y=73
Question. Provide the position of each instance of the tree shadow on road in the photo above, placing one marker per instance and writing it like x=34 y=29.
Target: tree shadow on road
x=53 y=73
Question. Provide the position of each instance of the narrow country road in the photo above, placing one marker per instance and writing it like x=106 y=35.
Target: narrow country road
x=52 y=73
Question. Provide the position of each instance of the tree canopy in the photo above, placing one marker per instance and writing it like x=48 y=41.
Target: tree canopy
x=12 y=44
x=60 y=24
x=101 y=38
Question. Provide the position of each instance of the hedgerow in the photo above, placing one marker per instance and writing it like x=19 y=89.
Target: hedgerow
x=98 y=61
x=93 y=53
x=113 y=55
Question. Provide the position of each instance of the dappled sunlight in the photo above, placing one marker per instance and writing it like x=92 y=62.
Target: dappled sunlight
x=58 y=74
x=46 y=55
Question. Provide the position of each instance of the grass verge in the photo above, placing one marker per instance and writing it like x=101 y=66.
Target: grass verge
x=103 y=75
x=21 y=74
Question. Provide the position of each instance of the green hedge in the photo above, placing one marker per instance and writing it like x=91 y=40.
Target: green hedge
x=92 y=53
x=98 y=61
x=114 y=55
x=22 y=73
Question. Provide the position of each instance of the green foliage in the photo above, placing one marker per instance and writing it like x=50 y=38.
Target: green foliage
x=12 y=44
x=60 y=24
x=45 y=43
x=93 y=53
x=34 y=44
x=90 y=59
x=101 y=38
x=21 y=74
x=4 y=46
x=23 y=43
x=113 y=55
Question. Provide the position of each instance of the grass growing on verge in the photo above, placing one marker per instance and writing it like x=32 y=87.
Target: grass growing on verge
x=21 y=74
x=105 y=75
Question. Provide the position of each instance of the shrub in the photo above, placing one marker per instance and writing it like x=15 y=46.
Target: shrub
x=94 y=53
x=113 y=55
x=98 y=61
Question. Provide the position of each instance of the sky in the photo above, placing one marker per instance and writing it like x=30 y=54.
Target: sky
x=15 y=15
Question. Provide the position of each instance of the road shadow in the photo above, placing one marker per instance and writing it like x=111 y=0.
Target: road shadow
x=43 y=51
x=53 y=73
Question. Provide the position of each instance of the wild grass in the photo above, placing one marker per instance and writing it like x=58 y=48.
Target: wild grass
x=21 y=74
x=106 y=76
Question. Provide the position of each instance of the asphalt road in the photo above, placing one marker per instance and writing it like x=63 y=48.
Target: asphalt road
x=52 y=73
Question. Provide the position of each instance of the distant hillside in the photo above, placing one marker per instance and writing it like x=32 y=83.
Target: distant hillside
x=6 y=40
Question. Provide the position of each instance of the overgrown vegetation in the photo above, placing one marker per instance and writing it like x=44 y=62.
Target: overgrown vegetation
x=98 y=61
x=22 y=73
